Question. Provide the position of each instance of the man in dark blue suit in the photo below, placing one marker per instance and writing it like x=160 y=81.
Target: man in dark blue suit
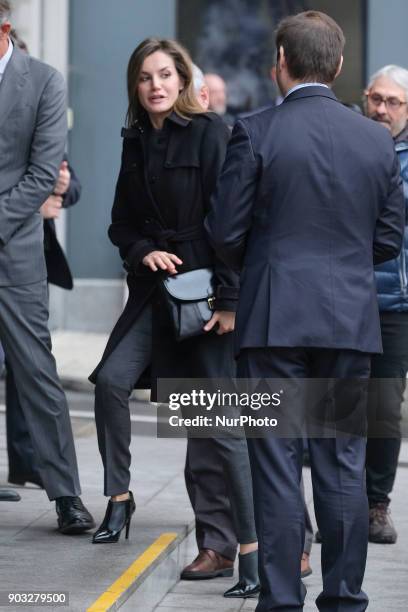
x=309 y=199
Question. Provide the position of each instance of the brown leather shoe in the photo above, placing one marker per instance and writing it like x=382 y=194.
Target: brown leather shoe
x=208 y=564
x=305 y=568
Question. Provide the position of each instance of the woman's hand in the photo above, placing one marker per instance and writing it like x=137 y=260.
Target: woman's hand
x=161 y=260
x=225 y=320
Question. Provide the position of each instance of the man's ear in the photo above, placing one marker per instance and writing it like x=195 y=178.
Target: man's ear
x=281 y=59
x=340 y=66
x=5 y=28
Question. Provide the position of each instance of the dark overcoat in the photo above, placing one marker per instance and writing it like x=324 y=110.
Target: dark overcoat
x=141 y=224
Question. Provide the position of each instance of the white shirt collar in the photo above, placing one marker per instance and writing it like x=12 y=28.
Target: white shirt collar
x=301 y=85
x=5 y=59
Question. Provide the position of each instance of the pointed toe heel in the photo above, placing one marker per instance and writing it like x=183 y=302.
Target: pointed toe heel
x=117 y=517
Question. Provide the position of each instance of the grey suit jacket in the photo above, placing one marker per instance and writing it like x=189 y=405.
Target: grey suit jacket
x=32 y=140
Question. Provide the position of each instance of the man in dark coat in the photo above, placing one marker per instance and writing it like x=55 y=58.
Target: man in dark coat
x=303 y=211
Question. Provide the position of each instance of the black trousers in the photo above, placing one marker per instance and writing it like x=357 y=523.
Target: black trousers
x=387 y=386
x=339 y=488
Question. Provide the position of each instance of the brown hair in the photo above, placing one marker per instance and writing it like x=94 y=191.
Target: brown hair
x=187 y=103
x=313 y=43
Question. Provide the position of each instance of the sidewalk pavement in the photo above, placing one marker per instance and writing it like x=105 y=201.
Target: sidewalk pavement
x=37 y=557
x=34 y=555
x=386 y=578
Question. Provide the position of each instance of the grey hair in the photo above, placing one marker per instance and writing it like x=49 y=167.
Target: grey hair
x=198 y=78
x=5 y=11
x=396 y=73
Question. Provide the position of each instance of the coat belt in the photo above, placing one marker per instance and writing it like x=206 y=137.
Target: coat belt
x=163 y=237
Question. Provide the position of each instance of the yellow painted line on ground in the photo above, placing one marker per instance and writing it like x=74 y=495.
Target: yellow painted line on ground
x=140 y=565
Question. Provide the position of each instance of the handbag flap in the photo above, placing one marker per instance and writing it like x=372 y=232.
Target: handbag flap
x=190 y=286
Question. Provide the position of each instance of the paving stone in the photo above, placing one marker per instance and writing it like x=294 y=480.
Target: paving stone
x=47 y=559
x=207 y=602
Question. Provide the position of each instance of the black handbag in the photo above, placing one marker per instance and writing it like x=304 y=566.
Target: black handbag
x=190 y=300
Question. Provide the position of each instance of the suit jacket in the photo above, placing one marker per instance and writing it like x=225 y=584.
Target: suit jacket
x=32 y=140
x=309 y=198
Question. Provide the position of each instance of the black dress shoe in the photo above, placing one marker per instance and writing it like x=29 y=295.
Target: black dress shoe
x=248 y=584
x=9 y=495
x=22 y=479
x=118 y=516
x=73 y=517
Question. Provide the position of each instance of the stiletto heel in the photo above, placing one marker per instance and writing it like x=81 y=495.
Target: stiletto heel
x=127 y=528
x=118 y=515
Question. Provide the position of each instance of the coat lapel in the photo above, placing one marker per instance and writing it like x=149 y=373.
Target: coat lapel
x=12 y=83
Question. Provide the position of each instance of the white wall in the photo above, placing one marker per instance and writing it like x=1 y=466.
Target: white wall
x=27 y=19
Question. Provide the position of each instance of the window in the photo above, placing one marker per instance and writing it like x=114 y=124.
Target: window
x=234 y=38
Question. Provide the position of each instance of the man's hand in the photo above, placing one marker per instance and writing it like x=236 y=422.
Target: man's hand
x=225 y=320
x=161 y=260
x=52 y=207
x=63 y=181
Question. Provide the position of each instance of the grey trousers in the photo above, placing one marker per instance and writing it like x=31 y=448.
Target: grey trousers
x=114 y=384
x=219 y=485
x=26 y=339
x=217 y=471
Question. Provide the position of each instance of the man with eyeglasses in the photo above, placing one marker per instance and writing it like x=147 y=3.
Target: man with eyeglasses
x=386 y=102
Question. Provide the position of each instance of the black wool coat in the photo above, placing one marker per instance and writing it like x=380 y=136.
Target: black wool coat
x=173 y=221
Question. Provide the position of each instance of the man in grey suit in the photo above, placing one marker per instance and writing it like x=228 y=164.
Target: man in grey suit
x=32 y=139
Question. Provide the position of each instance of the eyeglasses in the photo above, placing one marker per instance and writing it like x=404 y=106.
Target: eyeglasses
x=392 y=102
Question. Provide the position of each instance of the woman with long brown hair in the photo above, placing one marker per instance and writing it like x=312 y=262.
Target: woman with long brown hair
x=172 y=156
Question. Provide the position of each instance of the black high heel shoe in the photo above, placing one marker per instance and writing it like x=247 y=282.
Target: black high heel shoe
x=118 y=515
x=248 y=584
